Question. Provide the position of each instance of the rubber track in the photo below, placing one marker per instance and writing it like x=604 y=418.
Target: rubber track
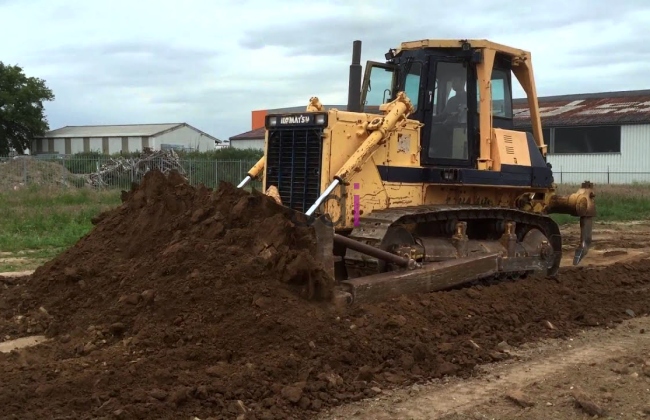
x=374 y=226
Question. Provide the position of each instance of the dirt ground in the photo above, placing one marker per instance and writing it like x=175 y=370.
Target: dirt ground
x=608 y=368
x=612 y=242
x=177 y=307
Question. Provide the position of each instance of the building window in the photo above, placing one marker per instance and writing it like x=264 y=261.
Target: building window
x=546 y=133
x=587 y=140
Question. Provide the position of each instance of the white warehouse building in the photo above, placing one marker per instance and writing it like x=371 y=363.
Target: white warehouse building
x=600 y=137
x=113 y=139
x=253 y=139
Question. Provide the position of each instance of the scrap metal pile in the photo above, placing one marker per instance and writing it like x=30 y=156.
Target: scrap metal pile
x=115 y=169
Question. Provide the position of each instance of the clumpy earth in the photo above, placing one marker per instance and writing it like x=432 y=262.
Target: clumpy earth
x=188 y=302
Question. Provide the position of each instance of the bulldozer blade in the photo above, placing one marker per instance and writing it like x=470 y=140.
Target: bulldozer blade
x=324 y=254
x=431 y=277
x=324 y=243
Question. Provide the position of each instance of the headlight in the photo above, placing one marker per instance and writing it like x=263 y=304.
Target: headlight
x=273 y=121
x=320 y=119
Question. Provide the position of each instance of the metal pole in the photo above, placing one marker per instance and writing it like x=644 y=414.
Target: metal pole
x=244 y=182
x=323 y=196
x=375 y=252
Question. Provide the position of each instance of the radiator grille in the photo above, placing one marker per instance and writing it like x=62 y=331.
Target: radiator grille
x=293 y=165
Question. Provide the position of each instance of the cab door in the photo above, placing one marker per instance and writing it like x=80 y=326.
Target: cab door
x=449 y=118
x=377 y=87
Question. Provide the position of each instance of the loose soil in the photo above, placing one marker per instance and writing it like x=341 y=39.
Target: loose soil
x=186 y=302
x=609 y=366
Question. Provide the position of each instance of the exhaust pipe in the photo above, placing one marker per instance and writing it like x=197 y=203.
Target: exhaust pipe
x=354 y=84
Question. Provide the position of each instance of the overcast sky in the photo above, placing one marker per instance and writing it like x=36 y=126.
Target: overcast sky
x=210 y=62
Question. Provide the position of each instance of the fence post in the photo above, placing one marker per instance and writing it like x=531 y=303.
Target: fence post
x=25 y=171
x=607 y=174
x=561 y=179
x=63 y=170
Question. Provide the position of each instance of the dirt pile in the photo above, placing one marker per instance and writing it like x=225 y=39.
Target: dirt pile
x=26 y=170
x=172 y=307
x=171 y=250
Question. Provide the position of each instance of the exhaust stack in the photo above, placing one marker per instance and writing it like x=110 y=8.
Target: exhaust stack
x=354 y=86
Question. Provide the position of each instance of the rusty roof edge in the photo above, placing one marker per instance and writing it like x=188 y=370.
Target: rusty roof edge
x=593 y=95
x=559 y=123
x=255 y=134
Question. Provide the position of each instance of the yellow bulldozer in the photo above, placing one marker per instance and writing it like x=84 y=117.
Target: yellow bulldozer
x=423 y=183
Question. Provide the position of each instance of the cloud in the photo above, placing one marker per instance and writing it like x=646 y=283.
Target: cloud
x=127 y=64
x=210 y=63
x=557 y=40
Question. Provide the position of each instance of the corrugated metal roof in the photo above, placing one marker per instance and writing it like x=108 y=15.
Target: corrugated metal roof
x=256 y=134
x=624 y=107
x=111 y=130
x=601 y=108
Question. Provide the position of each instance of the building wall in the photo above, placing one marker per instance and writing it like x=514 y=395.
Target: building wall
x=94 y=144
x=257 y=118
x=72 y=145
x=187 y=138
x=247 y=144
x=134 y=143
x=183 y=137
x=59 y=145
x=631 y=165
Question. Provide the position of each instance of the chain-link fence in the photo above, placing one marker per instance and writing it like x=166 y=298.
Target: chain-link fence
x=111 y=172
x=118 y=173
x=601 y=177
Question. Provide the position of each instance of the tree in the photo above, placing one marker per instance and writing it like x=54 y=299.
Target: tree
x=22 y=114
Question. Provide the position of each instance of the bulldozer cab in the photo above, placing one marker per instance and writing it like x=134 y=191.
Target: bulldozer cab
x=444 y=83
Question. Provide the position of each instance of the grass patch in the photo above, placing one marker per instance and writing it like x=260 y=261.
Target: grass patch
x=614 y=203
x=38 y=223
x=45 y=221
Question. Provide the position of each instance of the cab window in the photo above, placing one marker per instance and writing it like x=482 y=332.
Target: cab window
x=501 y=96
x=412 y=84
x=380 y=85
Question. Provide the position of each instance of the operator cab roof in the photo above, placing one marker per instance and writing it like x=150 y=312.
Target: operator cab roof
x=458 y=43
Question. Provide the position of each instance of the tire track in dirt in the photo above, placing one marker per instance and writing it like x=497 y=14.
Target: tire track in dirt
x=440 y=400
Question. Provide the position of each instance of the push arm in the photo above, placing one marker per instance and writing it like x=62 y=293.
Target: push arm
x=253 y=173
x=396 y=110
